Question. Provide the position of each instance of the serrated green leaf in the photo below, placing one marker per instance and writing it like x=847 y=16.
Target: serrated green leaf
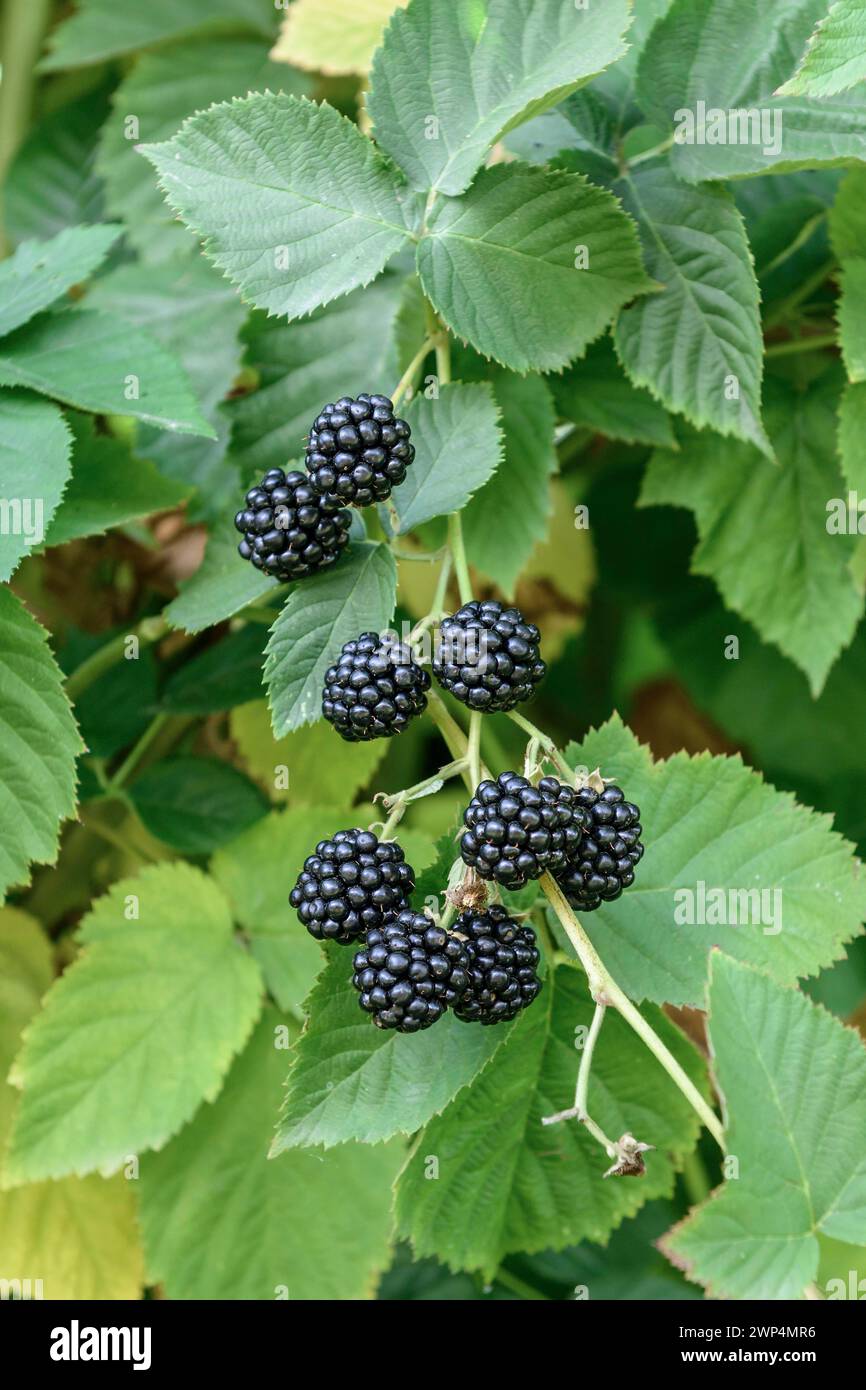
x=99 y=30
x=35 y=462
x=852 y=318
x=221 y=677
x=222 y=585
x=852 y=431
x=793 y=1086
x=38 y=747
x=342 y=349
x=480 y=68
x=322 y=612
x=93 y=361
x=315 y=210
x=349 y=1080
x=518 y=494
x=848 y=217
x=596 y=394
x=51 y=183
x=325 y=36
x=194 y=805
x=458 y=445
x=696 y=346
x=714 y=822
x=835 y=59
x=530 y=265
x=100 y=1083
x=308 y=1226
x=307 y=767
x=26 y=971
x=529 y=1187
x=723 y=54
x=39 y=272
x=792 y=581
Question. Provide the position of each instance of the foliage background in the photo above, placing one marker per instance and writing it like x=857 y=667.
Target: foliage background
x=707 y=519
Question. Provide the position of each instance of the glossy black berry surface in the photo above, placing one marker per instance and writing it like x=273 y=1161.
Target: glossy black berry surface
x=409 y=971
x=350 y=885
x=488 y=656
x=515 y=831
x=609 y=852
x=503 y=956
x=289 y=529
x=374 y=688
x=357 y=450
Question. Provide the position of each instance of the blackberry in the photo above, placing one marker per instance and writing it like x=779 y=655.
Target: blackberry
x=351 y=885
x=374 y=688
x=516 y=831
x=357 y=451
x=409 y=971
x=609 y=852
x=502 y=960
x=290 y=530
x=488 y=656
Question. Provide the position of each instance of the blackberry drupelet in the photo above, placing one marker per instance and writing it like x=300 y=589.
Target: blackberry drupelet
x=351 y=885
x=609 y=852
x=289 y=530
x=374 y=688
x=358 y=451
x=502 y=958
x=488 y=656
x=408 y=972
x=516 y=831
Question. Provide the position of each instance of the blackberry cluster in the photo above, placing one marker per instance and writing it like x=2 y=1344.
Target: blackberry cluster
x=358 y=451
x=351 y=885
x=409 y=971
x=502 y=960
x=609 y=852
x=374 y=689
x=488 y=656
x=516 y=831
x=289 y=529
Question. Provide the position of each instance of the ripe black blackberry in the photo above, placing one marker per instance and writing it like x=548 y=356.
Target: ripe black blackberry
x=502 y=960
x=351 y=885
x=609 y=852
x=408 y=972
x=488 y=656
x=374 y=688
x=516 y=831
x=289 y=530
x=357 y=451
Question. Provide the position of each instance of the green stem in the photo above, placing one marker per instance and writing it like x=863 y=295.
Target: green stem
x=803 y=292
x=410 y=373
x=546 y=743
x=451 y=733
x=820 y=340
x=695 y=1179
x=148 y=631
x=474 y=748
x=133 y=758
x=458 y=551
x=22 y=27
x=519 y=1286
x=442 y=584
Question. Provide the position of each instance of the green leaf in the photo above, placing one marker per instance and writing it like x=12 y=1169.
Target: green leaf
x=697 y=346
x=712 y=821
x=159 y=92
x=529 y=1187
x=221 y=677
x=458 y=445
x=39 y=272
x=194 y=805
x=26 y=971
x=793 y=580
x=723 y=54
x=530 y=265
x=325 y=36
x=793 y=1086
x=351 y=1080
x=595 y=394
x=518 y=494
x=309 y=1226
x=847 y=230
x=322 y=212
x=93 y=361
x=99 y=30
x=852 y=431
x=835 y=59
x=108 y=487
x=38 y=745
x=480 y=67
x=222 y=585
x=848 y=217
x=35 y=447
x=322 y=612
x=317 y=769
x=340 y=350
x=137 y=1032
x=51 y=183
